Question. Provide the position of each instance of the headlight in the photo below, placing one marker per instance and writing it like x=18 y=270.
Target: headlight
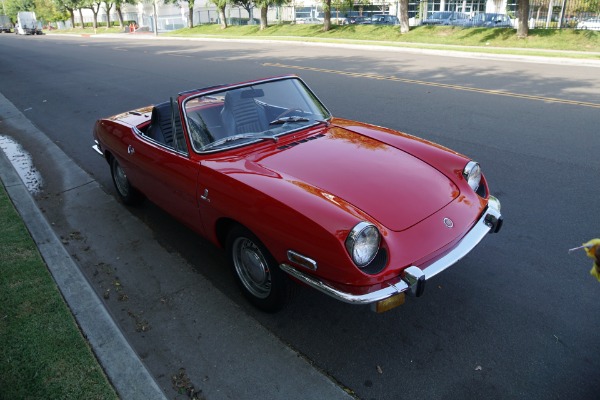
x=362 y=243
x=472 y=174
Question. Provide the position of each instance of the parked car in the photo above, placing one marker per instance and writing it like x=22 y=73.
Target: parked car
x=351 y=20
x=487 y=20
x=591 y=24
x=262 y=169
x=445 y=18
x=6 y=24
x=309 y=20
x=384 y=19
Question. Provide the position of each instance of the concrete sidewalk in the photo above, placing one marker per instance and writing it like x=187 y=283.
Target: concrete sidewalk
x=123 y=367
x=244 y=340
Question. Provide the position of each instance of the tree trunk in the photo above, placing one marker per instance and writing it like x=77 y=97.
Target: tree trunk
x=190 y=14
x=327 y=21
x=404 y=27
x=81 y=19
x=222 y=17
x=119 y=16
x=250 y=15
x=71 y=16
x=523 y=15
x=107 y=8
x=263 y=17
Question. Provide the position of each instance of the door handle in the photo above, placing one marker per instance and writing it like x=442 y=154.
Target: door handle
x=130 y=150
x=205 y=196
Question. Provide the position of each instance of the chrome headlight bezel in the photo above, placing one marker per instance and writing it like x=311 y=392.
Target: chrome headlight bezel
x=472 y=174
x=363 y=243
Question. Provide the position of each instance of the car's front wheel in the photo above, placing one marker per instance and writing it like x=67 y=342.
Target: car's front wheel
x=256 y=272
x=127 y=193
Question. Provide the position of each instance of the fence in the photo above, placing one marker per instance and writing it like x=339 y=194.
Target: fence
x=545 y=14
x=557 y=14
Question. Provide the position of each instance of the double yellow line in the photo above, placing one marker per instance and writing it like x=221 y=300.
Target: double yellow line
x=440 y=85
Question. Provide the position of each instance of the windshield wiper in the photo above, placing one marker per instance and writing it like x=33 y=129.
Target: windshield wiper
x=238 y=137
x=293 y=118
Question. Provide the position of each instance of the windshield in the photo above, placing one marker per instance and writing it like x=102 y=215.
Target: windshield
x=245 y=114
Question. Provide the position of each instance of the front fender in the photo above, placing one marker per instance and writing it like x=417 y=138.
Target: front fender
x=284 y=214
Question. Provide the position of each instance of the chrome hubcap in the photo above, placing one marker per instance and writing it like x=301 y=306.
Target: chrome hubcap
x=121 y=180
x=252 y=268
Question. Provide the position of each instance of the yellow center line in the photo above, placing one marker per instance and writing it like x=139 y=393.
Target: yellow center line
x=441 y=85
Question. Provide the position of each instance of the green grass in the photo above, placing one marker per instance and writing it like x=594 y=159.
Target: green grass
x=542 y=42
x=42 y=352
x=548 y=42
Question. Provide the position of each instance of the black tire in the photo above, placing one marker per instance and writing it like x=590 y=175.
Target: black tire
x=261 y=280
x=126 y=193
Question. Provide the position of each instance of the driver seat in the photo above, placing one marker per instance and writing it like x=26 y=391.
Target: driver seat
x=241 y=113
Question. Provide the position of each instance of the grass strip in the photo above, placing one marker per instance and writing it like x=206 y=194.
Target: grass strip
x=570 y=43
x=43 y=354
x=581 y=43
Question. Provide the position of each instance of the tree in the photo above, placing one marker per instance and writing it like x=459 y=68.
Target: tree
x=327 y=12
x=47 y=10
x=12 y=8
x=523 y=16
x=264 y=8
x=95 y=7
x=191 y=4
x=191 y=13
x=343 y=4
x=107 y=7
x=69 y=7
x=221 y=4
x=247 y=5
x=118 y=4
x=404 y=27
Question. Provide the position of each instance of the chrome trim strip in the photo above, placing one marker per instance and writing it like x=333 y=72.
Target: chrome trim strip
x=471 y=239
x=343 y=296
x=415 y=278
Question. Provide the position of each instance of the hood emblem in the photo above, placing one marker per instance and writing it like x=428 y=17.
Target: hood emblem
x=448 y=222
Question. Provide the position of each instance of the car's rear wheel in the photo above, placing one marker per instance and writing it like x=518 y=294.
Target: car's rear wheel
x=256 y=272
x=127 y=193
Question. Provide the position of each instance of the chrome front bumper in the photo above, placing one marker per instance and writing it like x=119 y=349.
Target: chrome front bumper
x=96 y=148
x=413 y=281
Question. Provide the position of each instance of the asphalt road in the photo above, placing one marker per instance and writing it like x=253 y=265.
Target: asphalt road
x=517 y=318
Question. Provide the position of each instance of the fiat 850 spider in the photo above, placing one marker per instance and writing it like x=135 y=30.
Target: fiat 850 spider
x=262 y=169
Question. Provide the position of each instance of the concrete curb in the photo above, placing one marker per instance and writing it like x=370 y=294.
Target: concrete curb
x=125 y=370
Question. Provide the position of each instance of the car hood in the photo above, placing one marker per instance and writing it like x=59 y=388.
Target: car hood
x=394 y=187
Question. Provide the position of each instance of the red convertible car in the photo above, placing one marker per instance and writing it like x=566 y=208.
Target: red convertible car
x=359 y=212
